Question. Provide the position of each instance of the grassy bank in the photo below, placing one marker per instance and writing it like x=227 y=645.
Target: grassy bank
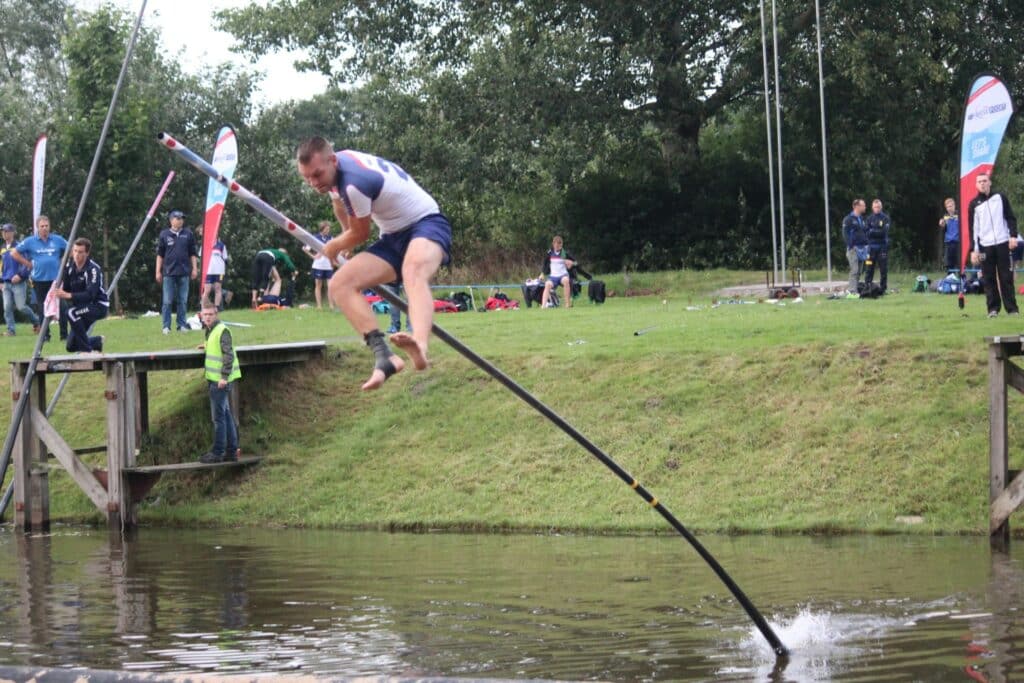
x=822 y=415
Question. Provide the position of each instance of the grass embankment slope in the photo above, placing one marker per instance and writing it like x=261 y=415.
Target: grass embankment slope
x=818 y=416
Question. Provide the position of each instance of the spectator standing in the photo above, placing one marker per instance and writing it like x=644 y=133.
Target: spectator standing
x=950 y=222
x=42 y=252
x=855 y=234
x=15 y=283
x=82 y=287
x=396 y=312
x=323 y=269
x=213 y=283
x=222 y=369
x=991 y=221
x=878 y=224
x=557 y=272
x=177 y=261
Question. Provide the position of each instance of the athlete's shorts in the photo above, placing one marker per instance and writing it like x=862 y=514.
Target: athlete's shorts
x=322 y=273
x=260 y=273
x=556 y=280
x=392 y=246
x=213 y=279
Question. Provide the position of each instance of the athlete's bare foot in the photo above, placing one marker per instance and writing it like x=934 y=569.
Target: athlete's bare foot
x=412 y=348
x=379 y=375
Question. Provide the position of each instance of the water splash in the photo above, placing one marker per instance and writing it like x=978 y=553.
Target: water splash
x=821 y=644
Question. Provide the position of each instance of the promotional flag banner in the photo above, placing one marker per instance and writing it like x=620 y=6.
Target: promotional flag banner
x=38 y=171
x=987 y=112
x=225 y=158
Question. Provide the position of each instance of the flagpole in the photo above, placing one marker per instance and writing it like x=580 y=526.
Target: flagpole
x=824 y=149
x=778 y=135
x=771 y=155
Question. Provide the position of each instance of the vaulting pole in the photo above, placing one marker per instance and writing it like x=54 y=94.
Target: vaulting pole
x=309 y=240
x=19 y=408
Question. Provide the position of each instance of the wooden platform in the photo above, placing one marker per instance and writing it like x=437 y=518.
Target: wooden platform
x=115 y=490
x=1006 y=486
x=195 y=465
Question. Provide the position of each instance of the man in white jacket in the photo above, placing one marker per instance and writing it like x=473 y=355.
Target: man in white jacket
x=993 y=227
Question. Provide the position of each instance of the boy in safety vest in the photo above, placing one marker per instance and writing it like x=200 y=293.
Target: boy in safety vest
x=221 y=370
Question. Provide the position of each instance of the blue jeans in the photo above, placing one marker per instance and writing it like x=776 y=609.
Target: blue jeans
x=175 y=291
x=15 y=299
x=225 y=433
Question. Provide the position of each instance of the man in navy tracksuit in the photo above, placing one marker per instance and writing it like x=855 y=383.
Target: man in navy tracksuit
x=878 y=245
x=82 y=287
x=855 y=233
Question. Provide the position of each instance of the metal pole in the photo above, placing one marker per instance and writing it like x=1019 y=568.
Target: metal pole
x=771 y=154
x=778 y=135
x=138 y=235
x=299 y=233
x=19 y=408
x=824 y=148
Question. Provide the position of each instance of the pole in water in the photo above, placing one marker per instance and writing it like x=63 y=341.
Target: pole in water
x=305 y=237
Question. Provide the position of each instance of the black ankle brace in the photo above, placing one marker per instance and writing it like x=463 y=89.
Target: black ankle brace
x=381 y=352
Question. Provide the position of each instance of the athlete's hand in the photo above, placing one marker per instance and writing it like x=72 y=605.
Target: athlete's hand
x=975 y=258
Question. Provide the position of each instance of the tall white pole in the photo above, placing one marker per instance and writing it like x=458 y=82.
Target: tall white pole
x=778 y=136
x=771 y=155
x=824 y=148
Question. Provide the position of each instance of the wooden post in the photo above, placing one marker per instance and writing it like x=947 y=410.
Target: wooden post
x=142 y=380
x=22 y=454
x=116 y=489
x=39 y=475
x=997 y=433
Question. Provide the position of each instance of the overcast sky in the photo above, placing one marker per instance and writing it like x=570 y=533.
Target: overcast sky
x=190 y=22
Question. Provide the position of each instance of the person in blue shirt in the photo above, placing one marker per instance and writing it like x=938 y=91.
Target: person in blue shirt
x=15 y=283
x=177 y=261
x=42 y=253
x=879 y=225
x=82 y=288
x=951 y=238
x=855 y=234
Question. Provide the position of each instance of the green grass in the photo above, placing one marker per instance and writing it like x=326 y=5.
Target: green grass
x=818 y=416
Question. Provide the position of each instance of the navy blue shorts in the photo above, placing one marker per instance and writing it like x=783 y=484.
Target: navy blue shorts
x=392 y=247
x=322 y=273
x=213 y=279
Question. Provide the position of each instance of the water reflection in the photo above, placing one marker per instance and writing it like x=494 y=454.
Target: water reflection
x=509 y=606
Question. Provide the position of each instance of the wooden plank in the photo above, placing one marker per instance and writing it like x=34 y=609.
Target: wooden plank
x=1007 y=502
x=998 y=455
x=1015 y=377
x=66 y=456
x=188 y=466
x=39 y=477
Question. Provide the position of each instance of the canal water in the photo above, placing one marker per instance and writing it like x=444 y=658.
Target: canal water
x=510 y=606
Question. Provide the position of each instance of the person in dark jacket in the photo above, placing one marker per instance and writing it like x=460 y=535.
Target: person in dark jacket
x=177 y=261
x=82 y=288
x=993 y=226
x=855 y=234
x=878 y=224
x=222 y=368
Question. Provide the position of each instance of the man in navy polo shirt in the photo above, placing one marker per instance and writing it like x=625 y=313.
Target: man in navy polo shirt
x=42 y=253
x=177 y=261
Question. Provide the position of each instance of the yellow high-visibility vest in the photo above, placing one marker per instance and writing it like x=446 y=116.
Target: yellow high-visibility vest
x=214 y=361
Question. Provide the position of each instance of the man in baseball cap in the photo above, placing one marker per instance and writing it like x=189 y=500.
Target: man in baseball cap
x=15 y=283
